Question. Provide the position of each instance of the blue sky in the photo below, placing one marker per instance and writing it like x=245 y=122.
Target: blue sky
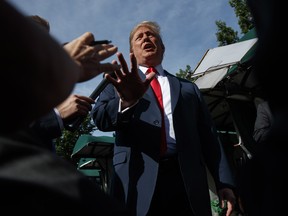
x=188 y=26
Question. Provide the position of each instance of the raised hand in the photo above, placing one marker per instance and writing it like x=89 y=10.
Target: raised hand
x=129 y=85
x=89 y=57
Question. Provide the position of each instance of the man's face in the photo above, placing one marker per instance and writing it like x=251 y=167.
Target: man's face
x=147 y=47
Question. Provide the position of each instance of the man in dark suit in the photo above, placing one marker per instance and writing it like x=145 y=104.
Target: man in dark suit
x=148 y=183
x=250 y=183
x=263 y=123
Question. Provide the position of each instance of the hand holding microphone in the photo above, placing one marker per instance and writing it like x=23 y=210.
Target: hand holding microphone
x=73 y=126
x=93 y=53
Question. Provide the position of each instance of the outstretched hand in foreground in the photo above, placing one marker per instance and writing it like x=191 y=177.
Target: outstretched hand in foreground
x=129 y=85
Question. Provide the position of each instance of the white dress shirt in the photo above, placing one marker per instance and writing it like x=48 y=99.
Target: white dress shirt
x=166 y=95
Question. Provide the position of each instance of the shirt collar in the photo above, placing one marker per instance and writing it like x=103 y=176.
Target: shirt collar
x=159 y=69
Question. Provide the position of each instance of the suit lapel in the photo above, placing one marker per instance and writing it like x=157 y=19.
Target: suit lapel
x=174 y=89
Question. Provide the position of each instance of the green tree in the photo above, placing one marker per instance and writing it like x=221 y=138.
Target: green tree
x=244 y=15
x=66 y=143
x=186 y=74
x=226 y=35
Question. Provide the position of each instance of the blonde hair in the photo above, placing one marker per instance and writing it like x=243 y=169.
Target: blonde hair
x=153 y=26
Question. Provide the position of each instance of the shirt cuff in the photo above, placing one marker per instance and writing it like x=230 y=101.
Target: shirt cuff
x=127 y=108
x=59 y=119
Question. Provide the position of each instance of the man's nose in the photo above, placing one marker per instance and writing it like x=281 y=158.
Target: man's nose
x=145 y=37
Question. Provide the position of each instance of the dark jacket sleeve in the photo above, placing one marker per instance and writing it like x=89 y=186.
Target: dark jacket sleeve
x=47 y=126
x=42 y=131
x=263 y=123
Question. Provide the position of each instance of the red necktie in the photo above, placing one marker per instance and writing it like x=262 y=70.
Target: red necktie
x=158 y=93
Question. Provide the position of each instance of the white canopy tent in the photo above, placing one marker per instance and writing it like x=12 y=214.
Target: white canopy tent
x=226 y=78
x=217 y=61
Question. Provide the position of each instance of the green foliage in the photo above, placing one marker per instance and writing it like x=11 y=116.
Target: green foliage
x=225 y=35
x=183 y=73
x=244 y=15
x=216 y=207
x=186 y=74
x=66 y=143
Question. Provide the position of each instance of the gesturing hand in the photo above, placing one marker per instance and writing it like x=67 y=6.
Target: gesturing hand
x=89 y=57
x=129 y=85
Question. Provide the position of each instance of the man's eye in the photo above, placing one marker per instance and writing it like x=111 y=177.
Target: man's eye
x=138 y=38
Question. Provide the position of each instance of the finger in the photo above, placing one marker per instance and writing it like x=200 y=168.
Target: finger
x=150 y=76
x=123 y=63
x=229 y=210
x=113 y=73
x=106 y=53
x=118 y=72
x=87 y=38
x=134 y=68
x=79 y=102
x=100 y=47
x=86 y=99
x=84 y=39
x=111 y=79
x=107 y=67
x=86 y=54
x=86 y=107
x=83 y=110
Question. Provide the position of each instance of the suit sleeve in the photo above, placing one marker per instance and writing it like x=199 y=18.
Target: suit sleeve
x=262 y=123
x=47 y=126
x=105 y=112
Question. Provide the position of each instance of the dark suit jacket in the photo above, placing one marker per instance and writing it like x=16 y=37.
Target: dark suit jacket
x=41 y=132
x=48 y=126
x=35 y=181
x=136 y=152
x=263 y=122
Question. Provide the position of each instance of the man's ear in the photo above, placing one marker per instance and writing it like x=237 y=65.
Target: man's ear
x=131 y=50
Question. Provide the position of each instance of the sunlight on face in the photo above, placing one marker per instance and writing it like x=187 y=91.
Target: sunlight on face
x=147 y=47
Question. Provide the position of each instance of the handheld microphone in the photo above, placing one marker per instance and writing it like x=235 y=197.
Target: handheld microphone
x=102 y=85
